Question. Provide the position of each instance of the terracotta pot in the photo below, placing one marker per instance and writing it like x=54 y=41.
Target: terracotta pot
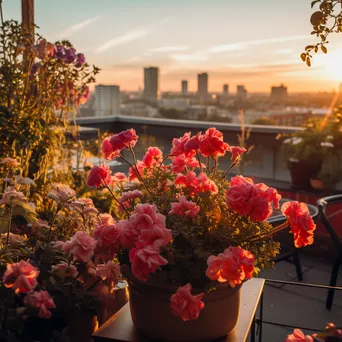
x=317 y=184
x=152 y=316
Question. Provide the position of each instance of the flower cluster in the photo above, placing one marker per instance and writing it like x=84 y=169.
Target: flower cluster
x=210 y=220
x=330 y=334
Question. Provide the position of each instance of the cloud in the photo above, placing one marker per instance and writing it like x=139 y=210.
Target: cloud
x=193 y=57
x=125 y=38
x=77 y=27
x=169 y=49
x=244 y=45
x=283 y=51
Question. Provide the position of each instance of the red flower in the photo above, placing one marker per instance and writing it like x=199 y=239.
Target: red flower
x=107 y=149
x=193 y=144
x=180 y=162
x=236 y=152
x=179 y=144
x=98 y=175
x=153 y=157
x=253 y=200
x=212 y=144
x=184 y=208
x=143 y=170
x=234 y=265
x=196 y=184
x=301 y=222
x=298 y=336
x=185 y=305
x=128 y=198
x=42 y=301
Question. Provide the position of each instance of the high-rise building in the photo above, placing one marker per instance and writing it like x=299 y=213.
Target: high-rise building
x=151 y=76
x=107 y=100
x=241 y=92
x=184 y=87
x=225 y=89
x=202 y=88
x=279 y=94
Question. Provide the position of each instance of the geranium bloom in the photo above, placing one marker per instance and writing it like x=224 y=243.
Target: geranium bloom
x=249 y=199
x=192 y=144
x=236 y=152
x=185 y=305
x=64 y=270
x=61 y=193
x=44 y=49
x=145 y=261
x=98 y=175
x=196 y=184
x=212 y=144
x=107 y=149
x=298 y=336
x=179 y=144
x=107 y=235
x=234 y=266
x=184 y=208
x=21 y=276
x=142 y=169
x=70 y=55
x=80 y=60
x=81 y=246
x=301 y=222
x=107 y=219
x=42 y=301
x=119 y=177
x=128 y=234
x=11 y=162
x=180 y=162
x=128 y=198
x=153 y=157
x=109 y=271
x=13 y=197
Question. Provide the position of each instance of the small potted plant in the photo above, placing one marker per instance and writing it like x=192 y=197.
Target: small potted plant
x=187 y=238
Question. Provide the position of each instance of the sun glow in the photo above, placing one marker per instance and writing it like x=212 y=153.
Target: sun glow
x=332 y=64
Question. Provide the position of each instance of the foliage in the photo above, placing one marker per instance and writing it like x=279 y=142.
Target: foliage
x=319 y=144
x=264 y=120
x=41 y=87
x=327 y=20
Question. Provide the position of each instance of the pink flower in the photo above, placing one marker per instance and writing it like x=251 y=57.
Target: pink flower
x=236 y=152
x=61 y=193
x=13 y=197
x=234 y=265
x=44 y=49
x=42 y=301
x=184 y=208
x=196 y=184
x=84 y=206
x=185 y=305
x=107 y=235
x=119 y=177
x=145 y=261
x=298 y=336
x=108 y=151
x=128 y=198
x=128 y=234
x=193 y=144
x=109 y=271
x=64 y=270
x=81 y=246
x=143 y=170
x=153 y=157
x=249 y=199
x=11 y=162
x=212 y=144
x=107 y=219
x=98 y=175
x=179 y=144
x=180 y=162
x=150 y=226
x=21 y=276
x=301 y=222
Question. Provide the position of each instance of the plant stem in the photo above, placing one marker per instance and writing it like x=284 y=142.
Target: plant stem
x=277 y=229
x=9 y=224
x=111 y=192
x=199 y=160
x=53 y=221
x=230 y=168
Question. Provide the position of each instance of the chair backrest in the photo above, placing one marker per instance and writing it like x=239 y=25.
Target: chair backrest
x=322 y=205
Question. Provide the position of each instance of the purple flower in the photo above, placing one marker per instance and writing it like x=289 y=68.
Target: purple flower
x=80 y=60
x=44 y=49
x=70 y=55
x=60 y=51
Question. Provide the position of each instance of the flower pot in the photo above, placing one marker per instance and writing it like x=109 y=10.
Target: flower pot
x=317 y=184
x=301 y=172
x=82 y=324
x=152 y=316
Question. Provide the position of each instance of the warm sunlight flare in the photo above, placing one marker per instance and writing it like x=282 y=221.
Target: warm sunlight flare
x=332 y=64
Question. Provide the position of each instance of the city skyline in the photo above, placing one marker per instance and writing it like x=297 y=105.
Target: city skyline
x=257 y=44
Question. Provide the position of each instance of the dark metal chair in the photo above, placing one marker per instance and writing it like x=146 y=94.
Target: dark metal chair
x=292 y=254
x=322 y=206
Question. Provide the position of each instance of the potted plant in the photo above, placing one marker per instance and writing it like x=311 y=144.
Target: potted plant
x=55 y=273
x=187 y=238
x=311 y=152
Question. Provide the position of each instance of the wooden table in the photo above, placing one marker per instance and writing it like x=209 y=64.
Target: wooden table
x=120 y=328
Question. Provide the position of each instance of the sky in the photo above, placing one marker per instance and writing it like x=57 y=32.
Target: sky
x=252 y=42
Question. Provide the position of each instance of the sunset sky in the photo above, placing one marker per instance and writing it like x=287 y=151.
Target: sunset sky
x=251 y=42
